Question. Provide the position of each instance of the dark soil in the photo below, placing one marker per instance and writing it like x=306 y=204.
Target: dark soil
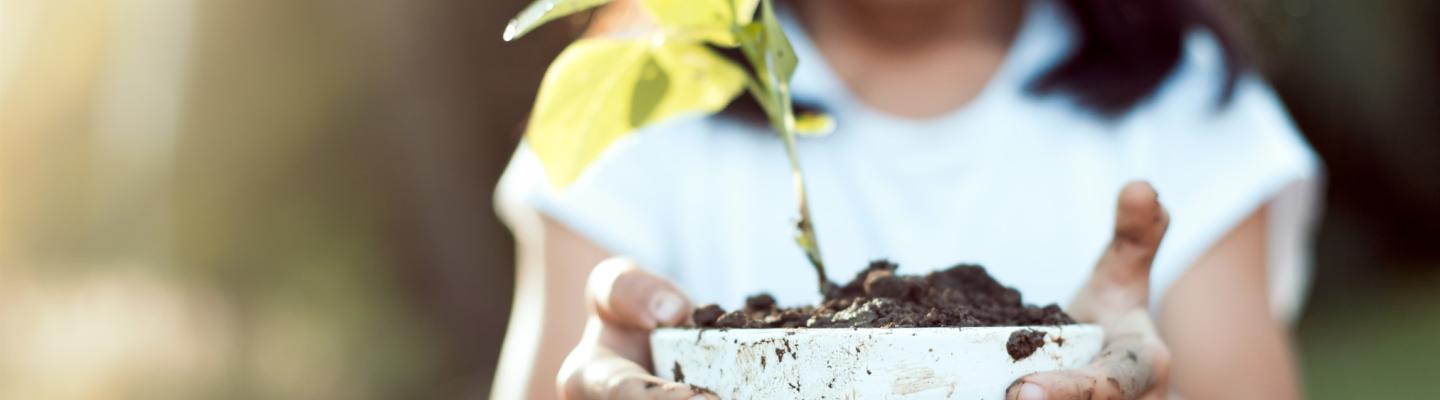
x=961 y=296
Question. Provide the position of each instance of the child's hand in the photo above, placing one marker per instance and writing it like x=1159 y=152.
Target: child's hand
x=1134 y=363
x=612 y=361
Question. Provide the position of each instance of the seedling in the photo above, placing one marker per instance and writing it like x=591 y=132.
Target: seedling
x=602 y=88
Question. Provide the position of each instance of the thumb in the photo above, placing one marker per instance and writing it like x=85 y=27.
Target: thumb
x=621 y=293
x=1121 y=280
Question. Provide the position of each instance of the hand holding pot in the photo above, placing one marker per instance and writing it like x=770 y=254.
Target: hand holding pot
x=612 y=361
x=1134 y=363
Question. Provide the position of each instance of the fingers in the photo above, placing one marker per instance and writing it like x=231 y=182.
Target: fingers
x=598 y=374
x=626 y=303
x=1121 y=279
x=1133 y=365
x=624 y=295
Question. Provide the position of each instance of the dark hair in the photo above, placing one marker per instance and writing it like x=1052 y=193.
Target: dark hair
x=1125 y=50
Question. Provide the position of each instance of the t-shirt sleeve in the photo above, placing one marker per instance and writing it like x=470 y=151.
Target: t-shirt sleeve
x=1214 y=164
x=616 y=202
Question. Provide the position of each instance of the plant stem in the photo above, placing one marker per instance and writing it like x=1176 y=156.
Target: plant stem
x=804 y=227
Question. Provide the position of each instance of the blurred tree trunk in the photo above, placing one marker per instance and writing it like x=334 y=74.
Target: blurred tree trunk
x=455 y=96
x=277 y=206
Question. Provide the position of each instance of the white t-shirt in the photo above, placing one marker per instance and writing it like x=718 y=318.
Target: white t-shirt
x=1023 y=184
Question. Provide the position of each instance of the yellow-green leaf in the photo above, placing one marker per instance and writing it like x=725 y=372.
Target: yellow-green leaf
x=542 y=11
x=745 y=11
x=814 y=124
x=601 y=89
x=700 y=80
x=708 y=20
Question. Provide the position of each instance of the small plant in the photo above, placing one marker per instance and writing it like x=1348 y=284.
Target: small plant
x=600 y=89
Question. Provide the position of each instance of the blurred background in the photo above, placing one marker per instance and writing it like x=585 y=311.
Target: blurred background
x=292 y=199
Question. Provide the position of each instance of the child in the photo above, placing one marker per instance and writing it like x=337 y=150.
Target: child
x=988 y=131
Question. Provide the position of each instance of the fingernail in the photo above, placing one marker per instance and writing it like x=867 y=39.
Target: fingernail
x=1030 y=391
x=699 y=397
x=666 y=307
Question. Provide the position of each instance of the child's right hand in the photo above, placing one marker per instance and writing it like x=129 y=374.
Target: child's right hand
x=612 y=361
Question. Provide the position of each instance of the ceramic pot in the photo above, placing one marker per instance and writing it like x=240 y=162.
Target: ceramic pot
x=865 y=363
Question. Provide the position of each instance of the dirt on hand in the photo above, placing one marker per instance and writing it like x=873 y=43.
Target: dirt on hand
x=961 y=296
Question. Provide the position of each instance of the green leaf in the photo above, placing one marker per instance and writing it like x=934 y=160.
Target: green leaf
x=764 y=44
x=779 y=55
x=649 y=91
x=601 y=89
x=542 y=11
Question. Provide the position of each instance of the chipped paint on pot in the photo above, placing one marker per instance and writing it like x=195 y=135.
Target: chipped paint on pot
x=866 y=363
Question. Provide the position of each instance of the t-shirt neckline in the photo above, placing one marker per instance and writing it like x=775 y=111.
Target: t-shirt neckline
x=816 y=82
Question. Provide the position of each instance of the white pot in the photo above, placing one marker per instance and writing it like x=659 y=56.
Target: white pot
x=866 y=363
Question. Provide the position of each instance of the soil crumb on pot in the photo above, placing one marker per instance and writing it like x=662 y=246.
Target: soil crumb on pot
x=701 y=391
x=1023 y=343
x=961 y=296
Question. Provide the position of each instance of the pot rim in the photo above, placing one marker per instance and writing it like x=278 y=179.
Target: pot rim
x=871 y=330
